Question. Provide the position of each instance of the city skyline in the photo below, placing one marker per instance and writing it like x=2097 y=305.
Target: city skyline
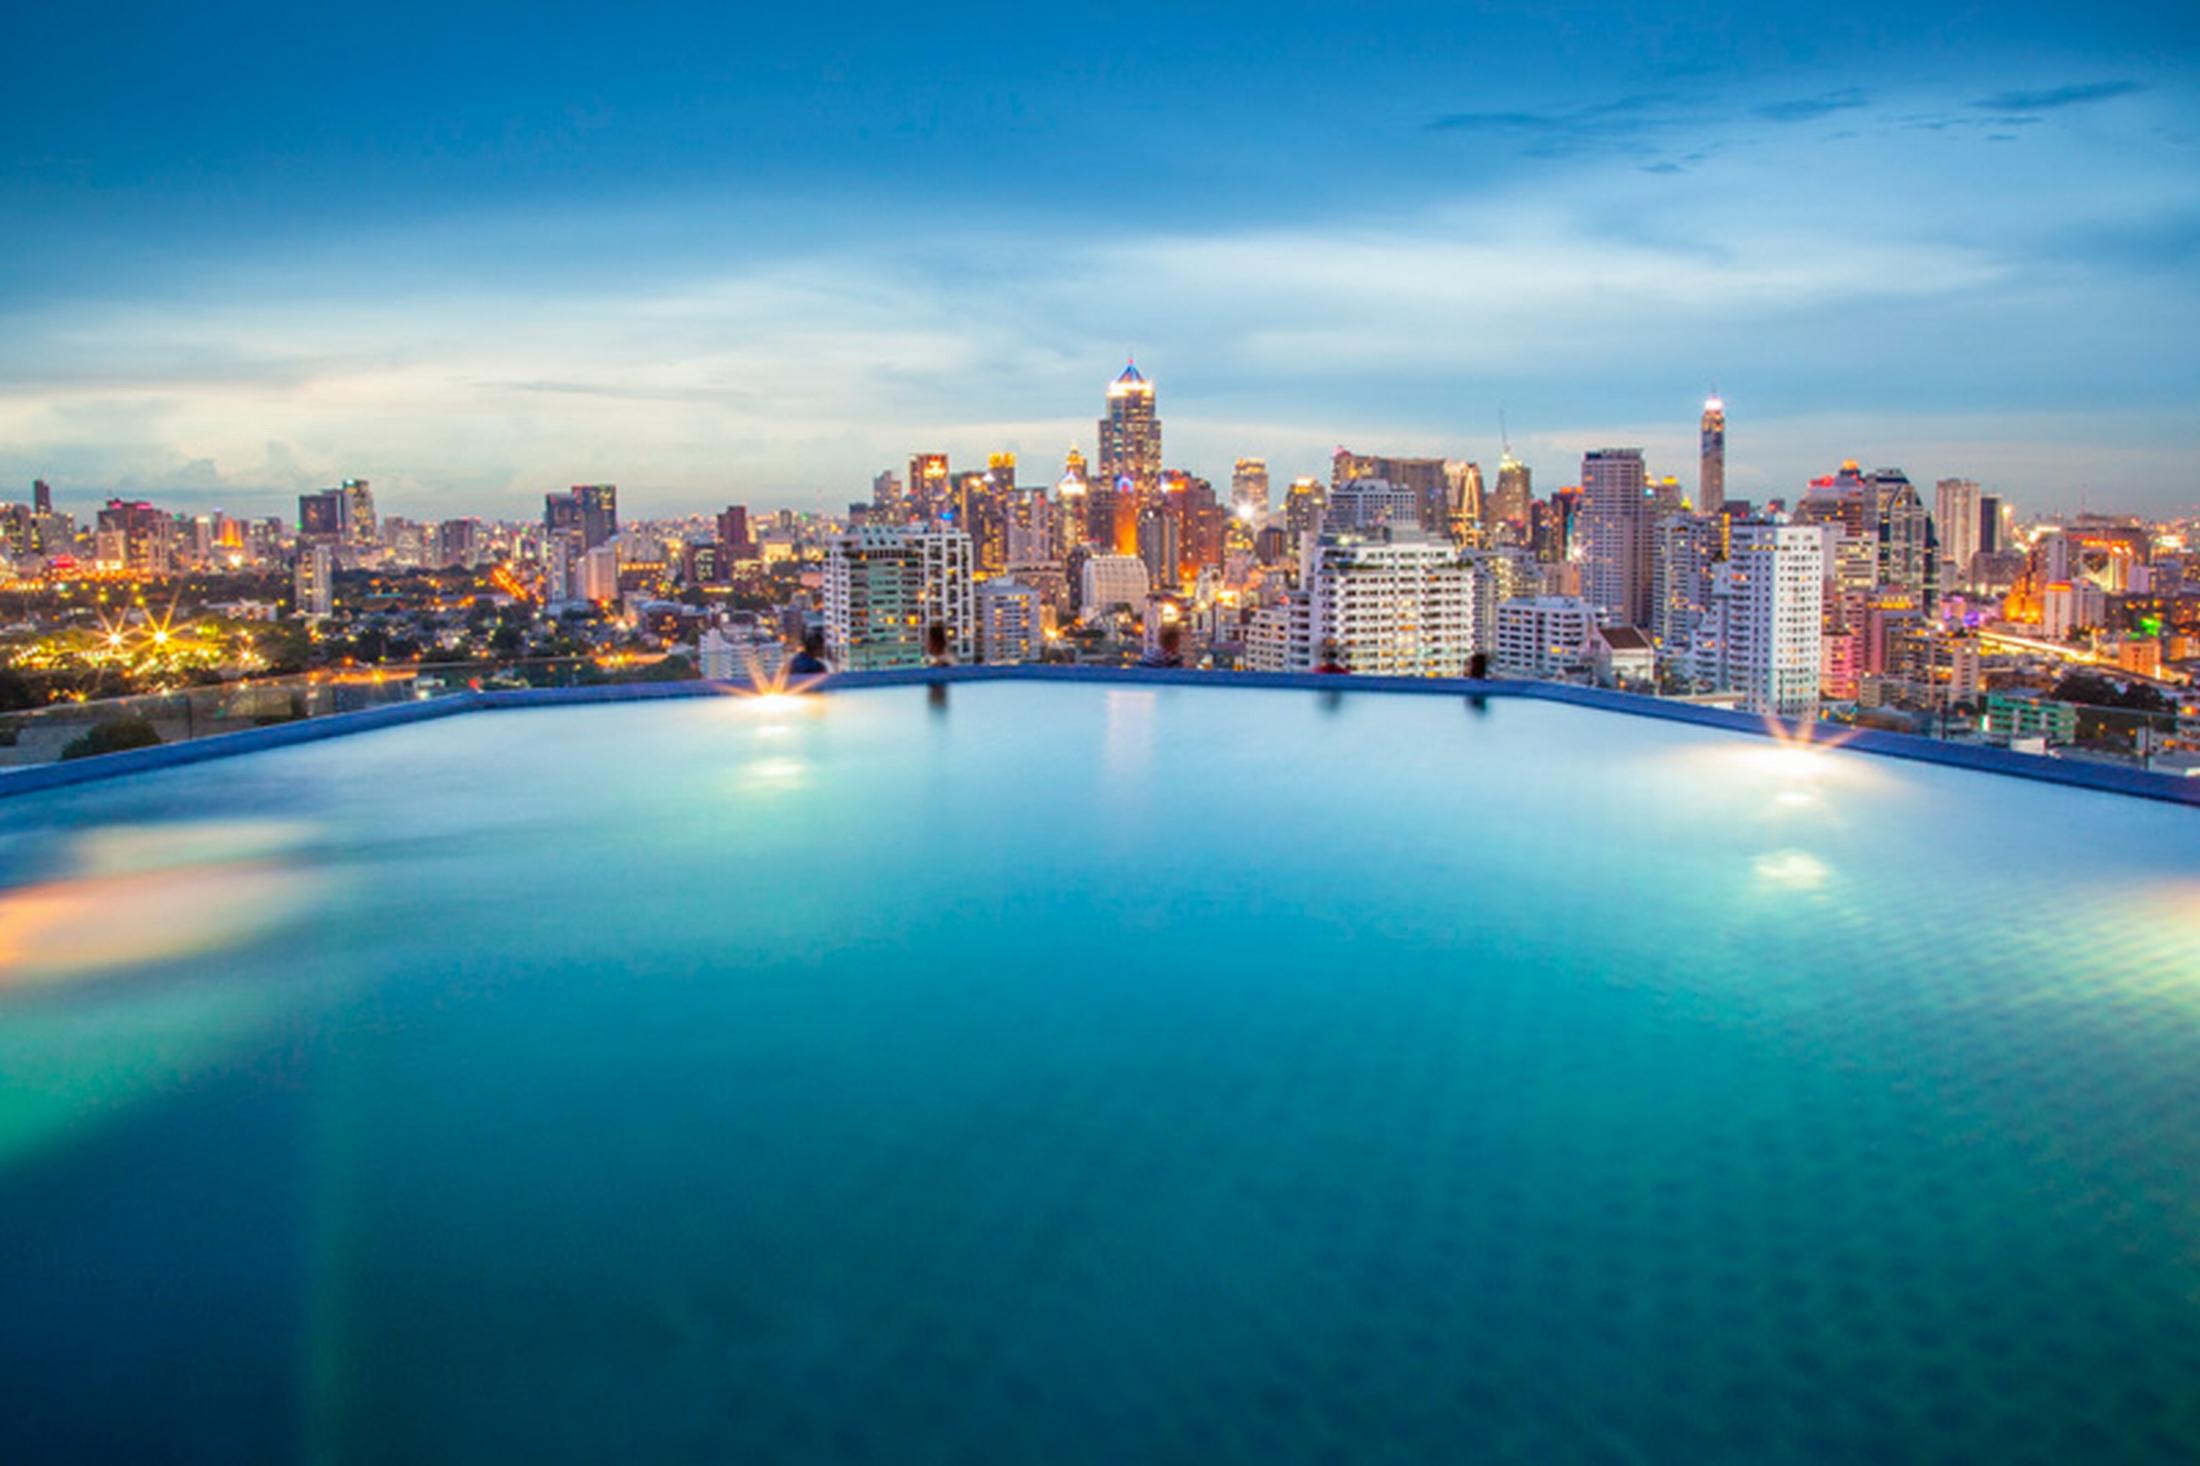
x=753 y=259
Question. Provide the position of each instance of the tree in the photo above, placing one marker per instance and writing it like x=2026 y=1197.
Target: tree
x=115 y=735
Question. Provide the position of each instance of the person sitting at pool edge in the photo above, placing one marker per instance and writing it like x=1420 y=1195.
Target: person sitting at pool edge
x=810 y=661
x=1331 y=662
x=935 y=646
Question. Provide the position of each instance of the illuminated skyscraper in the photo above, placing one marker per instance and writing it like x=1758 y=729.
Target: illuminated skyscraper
x=1515 y=490
x=1711 y=476
x=929 y=485
x=314 y=582
x=1465 y=482
x=1616 y=535
x=1130 y=437
x=1249 y=488
x=359 y=523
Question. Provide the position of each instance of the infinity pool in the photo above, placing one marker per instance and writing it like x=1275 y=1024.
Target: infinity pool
x=1069 y=1073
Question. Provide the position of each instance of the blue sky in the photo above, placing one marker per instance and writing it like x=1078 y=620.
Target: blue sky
x=717 y=255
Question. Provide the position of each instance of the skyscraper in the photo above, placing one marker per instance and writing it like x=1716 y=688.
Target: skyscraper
x=1711 y=474
x=1956 y=520
x=1616 y=535
x=599 y=512
x=885 y=586
x=1464 y=482
x=1130 y=438
x=41 y=497
x=734 y=534
x=1249 y=488
x=1515 y=490
x=359 y=521
x=930 y=487
x=1767 y=602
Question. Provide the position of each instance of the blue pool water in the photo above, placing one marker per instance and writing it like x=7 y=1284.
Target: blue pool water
x=1072 y=1073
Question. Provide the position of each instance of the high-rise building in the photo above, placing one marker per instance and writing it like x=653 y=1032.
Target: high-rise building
x=323 y=515
x=1685 y=553
x=314 y=581
x=1956 y=521
x=887 y=498
x=1905 y=535
x=1393 y=602
x=1011 y=626
x=1249 y=488
x=599 y=512
x=734 y=535
x=1371 y=503
x=1464 y=482
x=41 y=497
x=1711 y=472
x=1515 y=491
x=1616 y=535
x=1130 y=440
x=1767 y=598
x=1427 y=478
x=1544 y=638
x=1108 y=582
x=885 y=586
x=599 y=575
x=359 y=520
x=930 y=485
x=1302 y=509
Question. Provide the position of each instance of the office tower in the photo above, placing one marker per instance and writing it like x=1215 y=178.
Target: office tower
x=41 y=497
x=1130 y=442
x=1463 y=481
x=1109 y=582
x=322 y=515
x=1029 y=520
x=561 y=513
x=887 y=498
x=1390 y=601
x=930 y=485
x=314 y=579
x=1616 y=535
x=1904 y=532
x=1072 y=512
x=1845 y=505
x=359 y=521
x=1711 y=470
x=1554 y=526
x=1495 y=576
x=1544 y=638
x=599 y=574
x=1767 y=600
x=1160 y=542
x=1302 y=509
x=1515 y=491
x=1010 y=622
x=139 y=536
x=885 y=585
x=599 y=512
x=459 y=542
x=1991 y=538
x=1249 y=489
x=1956 y=521
x=735 y=537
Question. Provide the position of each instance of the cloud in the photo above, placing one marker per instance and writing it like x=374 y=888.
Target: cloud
x=1568 y=132
x=2050 y=98
x=1806 y=109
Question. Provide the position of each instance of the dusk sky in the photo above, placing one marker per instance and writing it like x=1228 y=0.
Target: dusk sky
x=738 y=253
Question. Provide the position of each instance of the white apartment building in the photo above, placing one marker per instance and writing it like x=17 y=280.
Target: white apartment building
x=885 y=585
x=1544 y=638
x=1011 y=627
x=1767 y=605
x=1394 y=603
x=1110 y=581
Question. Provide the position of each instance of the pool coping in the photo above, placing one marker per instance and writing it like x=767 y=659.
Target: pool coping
x=2102 y=778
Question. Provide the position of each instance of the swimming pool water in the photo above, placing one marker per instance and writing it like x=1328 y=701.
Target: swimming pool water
x=1068 y=1073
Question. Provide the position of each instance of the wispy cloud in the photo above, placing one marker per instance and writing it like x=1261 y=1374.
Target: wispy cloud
x=2047 y=99
x=1808 y=109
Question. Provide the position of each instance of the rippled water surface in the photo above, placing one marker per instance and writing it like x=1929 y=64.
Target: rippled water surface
x=1082 y=1074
